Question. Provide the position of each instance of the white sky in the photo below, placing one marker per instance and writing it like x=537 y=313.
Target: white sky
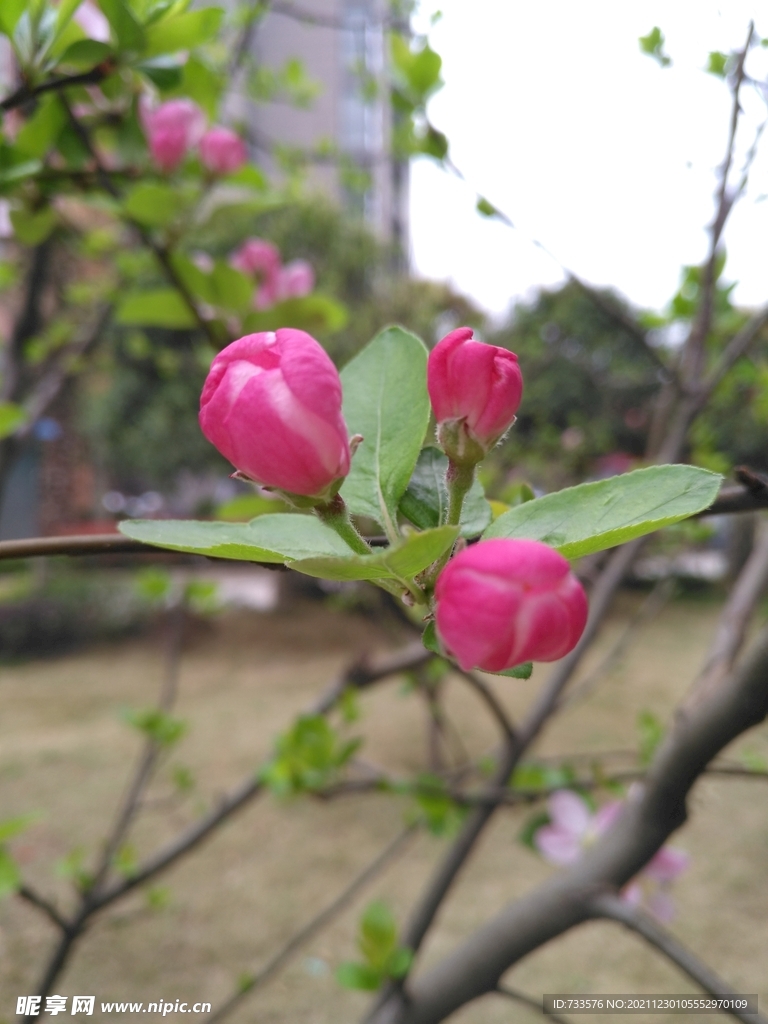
x=555 y=115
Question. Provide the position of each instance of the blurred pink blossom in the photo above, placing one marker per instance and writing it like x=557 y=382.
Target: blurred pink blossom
x=573 y=828
x=172 y=129
x=92 y=21
x=296 y=279
x=222 y=151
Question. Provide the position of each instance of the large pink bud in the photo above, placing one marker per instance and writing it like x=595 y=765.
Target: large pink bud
x=272 y=405
x=502 y=602
x=172 y=129
x=475 y=390
x=222 y=151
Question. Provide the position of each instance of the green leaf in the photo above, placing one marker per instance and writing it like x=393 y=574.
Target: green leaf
x=653 y=45
x=183 y=31
x=33 y=228
x=378 y=933
x=17 y=171
x=308 y=757
x=431 y=640
x=717 y=64
x=11 y=417
x=126 y=28
x=270 y=538
x=10 y=876
x=153 y=584
x=164 y=72
x=425 y=501
x=202 y=84
x=86 y=53
x=42 y=129
x=64 y=14
x=385 y=400
x=15 y=826
x=358 y=976
x=232 y=289
x=245 y=507
x=399 y=963
x=155 y=307
x=152 y=204
x=10 y=12
x=531 y=827
x=401 y=562
x=316 y=312
x=595 y=516
x=516 y=672
x=157 y=725
x=651 y=733
x=486 y=208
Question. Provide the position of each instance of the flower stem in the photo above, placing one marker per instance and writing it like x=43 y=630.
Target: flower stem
x=336 y=515
x=459 y=480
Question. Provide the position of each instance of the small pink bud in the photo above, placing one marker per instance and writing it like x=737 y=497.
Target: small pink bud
x=172 y=129
x=272 y=405
x=502 y=602
x=258 y=257
x=222 y=151
x=475 y=390
x=296 y=280
x=92 y=21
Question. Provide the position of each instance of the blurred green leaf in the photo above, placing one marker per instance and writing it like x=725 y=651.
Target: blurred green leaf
x=40 y=132
x=650 y=732
x=10 y=12
x=245 y=507
x=307 y=757
x=33 y=228
x=152 y=204
x=153 y=584
x=86 y=53
x=717 y=64
x=123 y=23
x=157 y=725
x=486 y=208
x=11 y=418
x=156 y=307
x=531 y=827
x=183 y=31
x=358 y=976
x=313 y=313
x=11 y=827
x=10 y=876
x=653 y=45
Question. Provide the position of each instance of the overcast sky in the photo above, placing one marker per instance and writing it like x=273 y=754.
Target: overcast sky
x=555 y=115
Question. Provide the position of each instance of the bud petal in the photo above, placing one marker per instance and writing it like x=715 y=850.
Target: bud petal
x=475 y=384
x=502 y=602
x=272 y=405
x=222 y=151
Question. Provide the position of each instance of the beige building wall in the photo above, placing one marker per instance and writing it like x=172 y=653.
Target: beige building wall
x=343 y=44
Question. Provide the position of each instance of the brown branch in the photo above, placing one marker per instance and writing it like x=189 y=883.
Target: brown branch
x=491 y=701
x=25 y=892
x=25 y=93
x=315 y=924
x=614 y=908
x=95 y=544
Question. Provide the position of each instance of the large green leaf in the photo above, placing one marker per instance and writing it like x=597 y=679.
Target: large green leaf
x=591 y=517
x=183 y=31
x=271 y=538
x=385 y=400
x=316 y=312
x=401 y=562
x=425 y=501
x=155 y=307
x=152 y=204
x=128 y=32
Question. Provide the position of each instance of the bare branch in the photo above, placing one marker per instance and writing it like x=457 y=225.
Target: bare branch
x=316 y=924
x=25 y=892
x=491 y=701
x=534 y=1004
x=93 y=544
x=615 y=909
x=26 y=93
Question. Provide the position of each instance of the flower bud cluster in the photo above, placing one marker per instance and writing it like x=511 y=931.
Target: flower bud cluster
x=276 y=281
x=176 y=127
x=272 y=406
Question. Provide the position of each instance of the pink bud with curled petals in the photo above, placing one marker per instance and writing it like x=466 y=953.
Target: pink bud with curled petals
x=503 y=602
x=271 y=404
x=296 y=280
x=222 y=151
x=172 y=129
x=475 y=390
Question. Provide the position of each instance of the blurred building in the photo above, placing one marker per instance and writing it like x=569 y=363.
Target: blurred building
x=345 y=131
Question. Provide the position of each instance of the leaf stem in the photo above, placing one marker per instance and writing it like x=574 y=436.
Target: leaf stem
x=458 y=481
x=335 y=514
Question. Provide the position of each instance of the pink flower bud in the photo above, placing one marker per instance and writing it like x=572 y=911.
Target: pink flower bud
x=272 y=405
x=222 y=151
x=474 y=388
x=502 y=602
x=296 y=280
x=260 y=259
x=172 y=129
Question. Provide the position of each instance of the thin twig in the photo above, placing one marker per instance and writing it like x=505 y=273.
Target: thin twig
x=26 y=93
x=534 y=1004
x=615 y=909
x=316 y=924
x=490 y=700
x=25 y=892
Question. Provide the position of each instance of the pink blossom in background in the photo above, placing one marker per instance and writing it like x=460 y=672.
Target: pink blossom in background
x=271 y=404
x=296 y=279
x=477 y=383
x=172 y=129
x=92 y=21
x=222 y=151
x=502 y=602
x=573 y=828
